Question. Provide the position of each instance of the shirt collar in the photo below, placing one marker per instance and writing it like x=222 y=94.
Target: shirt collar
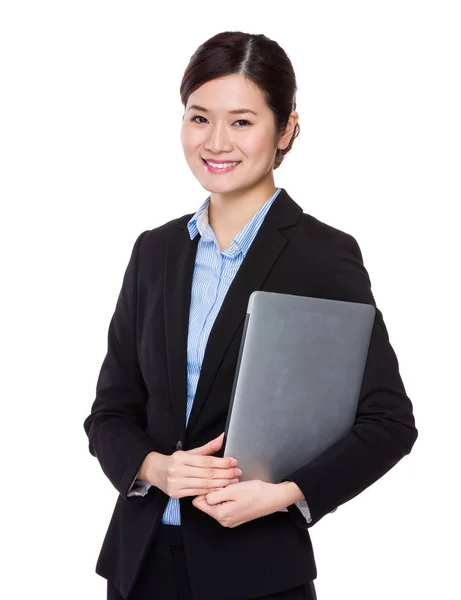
x=199 y=224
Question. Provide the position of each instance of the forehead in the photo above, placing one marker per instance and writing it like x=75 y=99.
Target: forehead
x=228 y=93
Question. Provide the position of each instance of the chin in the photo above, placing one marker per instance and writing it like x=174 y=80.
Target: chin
x=210 y=184
x=223 y=189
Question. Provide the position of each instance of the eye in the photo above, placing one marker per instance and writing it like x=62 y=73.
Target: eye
x=197 y=117
x=244 y=121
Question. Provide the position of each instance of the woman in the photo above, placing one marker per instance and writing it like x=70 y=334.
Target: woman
x=183 y=525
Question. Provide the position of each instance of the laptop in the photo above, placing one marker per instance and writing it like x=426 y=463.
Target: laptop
x=297 y=382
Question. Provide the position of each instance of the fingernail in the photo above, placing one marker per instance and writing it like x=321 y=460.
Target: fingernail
x=234 y=462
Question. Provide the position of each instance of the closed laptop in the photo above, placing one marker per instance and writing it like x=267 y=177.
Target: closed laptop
x=297 y=381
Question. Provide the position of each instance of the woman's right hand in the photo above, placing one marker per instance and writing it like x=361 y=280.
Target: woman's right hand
x=193 y=472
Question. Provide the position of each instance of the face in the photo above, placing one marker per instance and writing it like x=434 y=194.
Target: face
x=228 y=121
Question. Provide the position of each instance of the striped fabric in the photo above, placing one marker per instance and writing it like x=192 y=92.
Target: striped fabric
x=213 y=274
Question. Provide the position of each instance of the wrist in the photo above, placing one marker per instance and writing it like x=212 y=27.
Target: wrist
x=287 y=493
x=149 y=468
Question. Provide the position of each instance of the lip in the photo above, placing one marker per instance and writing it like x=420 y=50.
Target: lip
x=220 y=162
x=220 y=170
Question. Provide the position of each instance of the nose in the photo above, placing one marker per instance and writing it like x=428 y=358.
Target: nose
x=218 y=139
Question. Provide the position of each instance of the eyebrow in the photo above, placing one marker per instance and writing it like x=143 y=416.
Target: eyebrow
x=238 y=111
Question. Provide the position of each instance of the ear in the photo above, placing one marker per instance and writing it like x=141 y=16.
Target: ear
x=285 y=138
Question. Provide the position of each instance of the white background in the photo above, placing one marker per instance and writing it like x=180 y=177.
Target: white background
x=91 y=156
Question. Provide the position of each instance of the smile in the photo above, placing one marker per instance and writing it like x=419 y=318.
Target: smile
x=220 y=167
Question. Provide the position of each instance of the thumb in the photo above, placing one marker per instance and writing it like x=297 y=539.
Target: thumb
x=210 y=447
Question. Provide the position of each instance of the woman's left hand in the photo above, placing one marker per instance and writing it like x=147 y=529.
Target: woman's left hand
x=240 y=502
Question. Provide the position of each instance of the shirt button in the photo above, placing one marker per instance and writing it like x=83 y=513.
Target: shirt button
x=179 y=445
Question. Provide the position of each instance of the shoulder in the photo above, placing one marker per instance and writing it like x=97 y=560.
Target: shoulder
x=324 y=236
x=302 y=226
x=164 y=232
x=334 y=254
x=339 y=254
x=156 y=239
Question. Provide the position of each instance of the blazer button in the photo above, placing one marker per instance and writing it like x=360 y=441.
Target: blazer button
x=179 y=445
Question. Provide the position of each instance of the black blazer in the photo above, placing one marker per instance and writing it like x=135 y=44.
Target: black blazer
x=141 y=392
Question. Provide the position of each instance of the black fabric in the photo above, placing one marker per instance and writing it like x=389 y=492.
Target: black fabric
x=141 y=397
x=164 y=575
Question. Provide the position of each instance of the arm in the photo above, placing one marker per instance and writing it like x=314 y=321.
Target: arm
x=293 y=501
x=384 y=430
x=115 y=426
x=145 y=477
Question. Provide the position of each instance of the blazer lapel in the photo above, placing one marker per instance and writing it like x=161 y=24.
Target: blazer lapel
x=254 y=270
x=179 y=269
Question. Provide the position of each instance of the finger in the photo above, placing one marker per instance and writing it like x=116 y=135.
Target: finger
x=208 y=462
x=206 y=484
x=212 y=473
x=219 y=496
x=201 y=504
x=199 y=493
x=210 y=447
x=215 y=489
x=199 y=499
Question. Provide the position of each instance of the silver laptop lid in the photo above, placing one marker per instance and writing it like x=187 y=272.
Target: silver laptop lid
x=297 y=381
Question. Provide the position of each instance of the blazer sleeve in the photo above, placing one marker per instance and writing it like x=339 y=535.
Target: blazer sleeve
x=115 y=426
x=384 y=430
x=139 y=487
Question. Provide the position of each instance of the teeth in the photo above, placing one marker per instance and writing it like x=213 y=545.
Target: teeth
x=223 y=165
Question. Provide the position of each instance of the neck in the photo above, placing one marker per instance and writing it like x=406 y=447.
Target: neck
x=229 y=213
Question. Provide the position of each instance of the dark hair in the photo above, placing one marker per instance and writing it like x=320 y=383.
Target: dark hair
x=256 y=57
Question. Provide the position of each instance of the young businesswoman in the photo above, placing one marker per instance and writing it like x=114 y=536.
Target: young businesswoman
x=183 y=525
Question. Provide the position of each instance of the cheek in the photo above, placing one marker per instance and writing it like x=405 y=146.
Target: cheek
x=189 y=139
x=259 y=147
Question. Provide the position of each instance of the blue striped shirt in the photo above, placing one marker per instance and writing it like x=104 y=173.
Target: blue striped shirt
x=214 y=272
